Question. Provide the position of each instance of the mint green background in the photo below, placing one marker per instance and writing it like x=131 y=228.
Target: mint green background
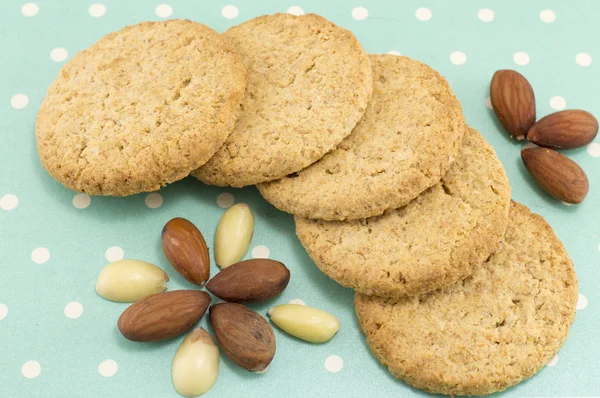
x=70 y=350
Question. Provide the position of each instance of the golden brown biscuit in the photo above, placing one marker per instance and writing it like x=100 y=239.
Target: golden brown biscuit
x=410 y=135
x=140 y=108
x=437 y=239
x=309 y=84
x=488 y=332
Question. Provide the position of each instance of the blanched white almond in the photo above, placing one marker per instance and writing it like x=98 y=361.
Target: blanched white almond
x=233 y=236
x=127 y=281
x=306 y=323
x=196 y=364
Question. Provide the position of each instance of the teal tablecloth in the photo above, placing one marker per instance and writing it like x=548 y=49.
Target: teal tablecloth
x=58 y=339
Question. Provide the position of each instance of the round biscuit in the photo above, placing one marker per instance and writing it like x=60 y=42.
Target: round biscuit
x=488 y=332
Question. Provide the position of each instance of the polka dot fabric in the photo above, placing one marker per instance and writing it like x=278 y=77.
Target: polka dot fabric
x=59 y=337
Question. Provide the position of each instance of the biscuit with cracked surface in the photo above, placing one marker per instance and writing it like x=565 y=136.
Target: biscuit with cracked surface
x=140 y=108
x=437 y=239
x=309 y=82
x=488 y=332
x=407 y=140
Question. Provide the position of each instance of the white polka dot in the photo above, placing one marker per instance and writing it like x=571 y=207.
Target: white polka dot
x=488 y=103
x=458 y=58
x=40 y=255
x=225 y=200
x=394 y=52
x=583 y=59
x=73 y=310
x=31 y=369
x=521 y=58
x=297 y=301
x=108 y=368
x=553 y=361
x=29 y=9
x=582 y=302
x=558 y=103
x=97 y=10
x=423 y=14
x=547 y=16
x=154 y=200
x=19 y=101
x=164 y=10
x=593 y=150
x=230 y=11
x=295 y=10
x=599 y=248
x=114 y=253
x=486 y=15
x=81 y=201
x=360 y=13
x=58 y=54
x=8 y=202
x=529 y=145
x=3 y=311
x=334 y=363
x=260 y=252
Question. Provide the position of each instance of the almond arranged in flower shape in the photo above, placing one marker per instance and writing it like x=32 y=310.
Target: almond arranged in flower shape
x=163 y=315
x=250 y=281
x=557 y=174
x=246 y=337
x=564 y=130
x=195 y=366
x=513 y=102
x=234 y=233
x=186 y=250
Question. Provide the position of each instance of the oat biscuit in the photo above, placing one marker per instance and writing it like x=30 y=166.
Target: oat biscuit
x=488 y=332
x=309 y=82
x=437 y=239
x=410 y=135
x=140 y=108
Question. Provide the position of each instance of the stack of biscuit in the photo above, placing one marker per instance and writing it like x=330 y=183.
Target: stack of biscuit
x=459 y=291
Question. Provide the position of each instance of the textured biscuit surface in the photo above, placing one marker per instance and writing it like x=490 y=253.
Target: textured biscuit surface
x=406 y=141
x=140 y=108
x=488 y=332
x=309 y=82
x=435 y=240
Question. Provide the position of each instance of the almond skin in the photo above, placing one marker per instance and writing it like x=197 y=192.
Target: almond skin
x=564 y=130
x=163 y=315
x=557 y=174
x=186 y=250
x=250 y=281
x=245 y=336
x=513 y=102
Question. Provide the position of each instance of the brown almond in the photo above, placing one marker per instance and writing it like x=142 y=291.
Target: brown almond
x=564 y=130
x=557 y=174
x=186 y=250
x=250 y=281
x=513 y=102
x=245 y=336
x=163 y=315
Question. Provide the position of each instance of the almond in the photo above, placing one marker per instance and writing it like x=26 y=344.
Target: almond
x=557 y=174
x=250 y=281
x=246 y=337
x=163 y=315
x=306 y=323
x=513 y=102
x=234 y=233
x=195 y=366
x=186 y=250
x=564 y=130
x=127 y=281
